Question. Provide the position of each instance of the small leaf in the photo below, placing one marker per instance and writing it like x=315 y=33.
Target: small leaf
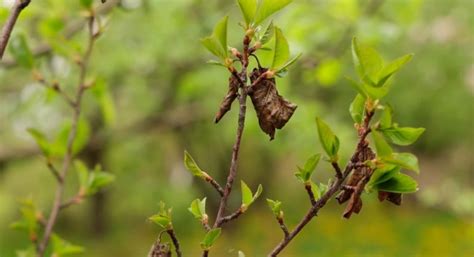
x=62 y=247
x=217 y=42
x=268 y=7
x=367 y=62
x=198 y=208
x=98 y=179
x=282 y=50
x=210 y=238
x=304 y=174
x=20 y=51
x=328 y=139
x=41 y=140
x=360 y=88
x=248 y=9
x=357 y=108
x=269 y=32
x=192 y=167
x=213 y=45
x=220 y=32
x=400 y=183
x=405 y=160
x=214 y=62
x=391 y=68
x=161 y=220
x=381 y=174
x=82 y=174
x=289 y=63
x=247 y=197
x=402 y=136
x=316 y=190
x=29 y=220
x=105 y=100
x=275 y=206
x=381 y=146
x=386 y=118
x=59 y=146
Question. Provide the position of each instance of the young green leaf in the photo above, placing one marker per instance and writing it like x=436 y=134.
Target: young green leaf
x=217 y=42
x=198 y=208
x=41 y=140
x=20 y=51
x=62 y=247
x=328 y=139
x=359 y=87
x=275 y=206
x=381 y=146
x=98 y=179
x=316 y=190
x=304 y=174
x=192 y=167
x=405 y=160
x=210 y=238
x=83 y=175
x=400 y=183
x=386 y=118
x=282 y=50
x=367 y=62
x=269 y=32
x=87 y=3
x=381 y=174
x=402 y=136
x=29 y=220
x=105 y=101
x=247 y=197
x=391 y=68
x=163 y=217
x=268 y=7
x=248 y=8
x=289 y=63
x=59 y=146
x=357 y=108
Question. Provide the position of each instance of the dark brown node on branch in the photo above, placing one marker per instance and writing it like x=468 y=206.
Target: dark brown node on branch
x=395 y=198
x=273 y=111
x=232 y=94
x=160 y=250
x=356 y=184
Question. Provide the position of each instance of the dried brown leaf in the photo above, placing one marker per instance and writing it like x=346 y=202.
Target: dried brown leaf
x=273 y=111
x=226 y=103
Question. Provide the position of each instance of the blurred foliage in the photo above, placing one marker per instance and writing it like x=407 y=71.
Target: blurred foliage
x=155 y=96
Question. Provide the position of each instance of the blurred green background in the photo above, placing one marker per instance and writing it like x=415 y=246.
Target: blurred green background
x=160 y=98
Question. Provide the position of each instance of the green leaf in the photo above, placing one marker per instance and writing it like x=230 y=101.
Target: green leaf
x=391 y=68
x=290 y=62
x=105 y=100
x=304 y=174
x=192 y=167
x=98 y=179
x=381 y=174
x=198 y=208
x=62 y=247
x=29 y=220
x=214 y=62
x=268 y=7
x=402 y=136
x=386 y=118
x=163 y=217
x=381 y=146
x=82 y=174
x=282 y=50
x=86 y=3
x=377 y=92
x=248 y=8
x=316 y=190
x=20 y=51
x=269 y=32
x=275 y=206
x=213 y=45
x=360 y=88
x=247 y=197
x=400 y=183
x=367 y=62
x=82 y=138
x=210 y=238
x=357 y=108
x=220 y=32
x=328 y=139
x=405 y=160
x=41 y=140
x=217 y=42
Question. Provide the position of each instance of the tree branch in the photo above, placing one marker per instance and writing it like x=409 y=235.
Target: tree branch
x=55 y=209
x=309 y=190
x=175 y=241
x=333 y=189
x=8 y=27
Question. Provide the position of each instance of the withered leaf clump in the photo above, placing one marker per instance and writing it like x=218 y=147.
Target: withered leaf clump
x=160 y=250
x=232 y=93
x=395 y=198
x=273 y=110
x=356 y=184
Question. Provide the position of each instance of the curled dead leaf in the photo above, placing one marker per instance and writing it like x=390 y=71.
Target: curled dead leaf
x=273 y=111
x=226 y=103
x=395 y=198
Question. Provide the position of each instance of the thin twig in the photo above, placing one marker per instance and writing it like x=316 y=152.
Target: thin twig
x=175 y=241
x=309 y=190
x=75 y=200
x=232 y=216
x=333 y=189
x=283 y=226
x=71 y=138
x=215 y=184
x=54 y=171
x=8 y=27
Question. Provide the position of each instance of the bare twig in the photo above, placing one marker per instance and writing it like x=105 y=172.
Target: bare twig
x=215 y=184
x=309 y=190
x=54 y=171
x=232 y=216
x=283 y=226
x=175 y=241
x=55 y=209
x=18 y=6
